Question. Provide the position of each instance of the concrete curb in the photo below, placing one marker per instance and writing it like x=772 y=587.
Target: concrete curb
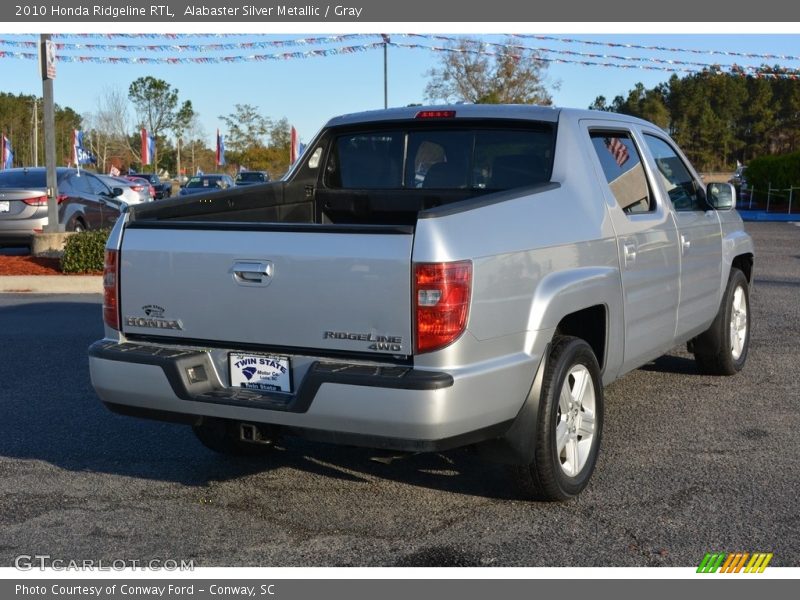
x=52 y=284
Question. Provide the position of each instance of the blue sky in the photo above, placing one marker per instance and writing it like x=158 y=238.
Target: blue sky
x=309 y=91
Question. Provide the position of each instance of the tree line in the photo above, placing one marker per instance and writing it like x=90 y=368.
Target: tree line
x=112 y=132
x=719 y=118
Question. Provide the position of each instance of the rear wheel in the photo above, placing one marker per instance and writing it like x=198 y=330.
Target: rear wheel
x=722 y=349
x=569 y=426
x=78 y=225
x=225 y=437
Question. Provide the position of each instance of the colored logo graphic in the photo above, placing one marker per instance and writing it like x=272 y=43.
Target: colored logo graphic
x=734 y=562
x=249 y=372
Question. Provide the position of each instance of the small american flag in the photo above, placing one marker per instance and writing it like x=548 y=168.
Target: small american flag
x=618 y=150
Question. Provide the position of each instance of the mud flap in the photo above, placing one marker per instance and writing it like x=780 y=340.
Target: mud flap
x=518 y=444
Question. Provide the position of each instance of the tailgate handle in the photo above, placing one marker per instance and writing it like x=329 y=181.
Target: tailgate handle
x=253 y=273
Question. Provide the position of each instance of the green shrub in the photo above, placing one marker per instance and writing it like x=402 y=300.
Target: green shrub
x=781 y=172
x=85 y=251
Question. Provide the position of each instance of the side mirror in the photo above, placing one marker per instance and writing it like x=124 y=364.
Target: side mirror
x=721 y=196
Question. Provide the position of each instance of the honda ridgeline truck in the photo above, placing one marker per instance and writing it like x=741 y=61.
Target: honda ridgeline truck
x=428 y=278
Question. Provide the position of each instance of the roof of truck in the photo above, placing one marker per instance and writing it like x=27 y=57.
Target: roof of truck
x=481 y=111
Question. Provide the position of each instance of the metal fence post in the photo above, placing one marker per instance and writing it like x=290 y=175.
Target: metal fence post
x=791 y=189
x=752 y=193
x=769 y=193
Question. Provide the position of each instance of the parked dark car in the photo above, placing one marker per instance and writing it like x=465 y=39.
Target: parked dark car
x=162 y=190
x=252 y=177
x=739 y=181
x=84 y=202
x=207 y=183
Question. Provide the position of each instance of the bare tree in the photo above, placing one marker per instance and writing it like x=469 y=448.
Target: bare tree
x=193 y=136
x=470 y=71
x=109 y=129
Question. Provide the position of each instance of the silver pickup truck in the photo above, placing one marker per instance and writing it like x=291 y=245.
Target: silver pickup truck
x=425 y=279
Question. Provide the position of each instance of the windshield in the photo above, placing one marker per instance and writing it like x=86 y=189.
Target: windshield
x=496 y=158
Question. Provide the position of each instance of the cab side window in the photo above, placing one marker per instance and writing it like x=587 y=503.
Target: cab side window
x=681 y=187
x=623 y=169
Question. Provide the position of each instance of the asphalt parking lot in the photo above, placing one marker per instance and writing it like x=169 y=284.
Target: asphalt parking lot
x=689 y=464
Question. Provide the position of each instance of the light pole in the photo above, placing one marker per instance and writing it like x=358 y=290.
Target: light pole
x=386 y=42
x=48 y=59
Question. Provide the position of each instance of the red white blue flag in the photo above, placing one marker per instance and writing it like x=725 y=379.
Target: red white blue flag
x=297 y=147
x=6 y=154
x=220 y=150
x=148 y=147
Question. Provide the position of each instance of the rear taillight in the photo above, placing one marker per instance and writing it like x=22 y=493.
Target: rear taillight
x=111 y=289
x=137 y=188
x=441 y=303
x=42 y=200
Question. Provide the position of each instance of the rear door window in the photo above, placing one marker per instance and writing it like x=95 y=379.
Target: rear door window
x=623 y=170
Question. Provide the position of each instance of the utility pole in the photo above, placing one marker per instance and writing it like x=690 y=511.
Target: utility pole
x=386 y=41
x=35 y=132
x=47 y=54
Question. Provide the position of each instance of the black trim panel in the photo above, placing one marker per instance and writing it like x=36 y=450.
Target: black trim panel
x=480 y=201
x=175 y=362
x=273 y=227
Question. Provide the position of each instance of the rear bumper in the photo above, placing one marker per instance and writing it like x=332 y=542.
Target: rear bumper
x=393 y=407
x=20 y=231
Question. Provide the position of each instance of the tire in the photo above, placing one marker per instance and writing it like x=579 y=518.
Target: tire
x=222 y=436
x=567 y=445
x=722 y=348
x=78 y=226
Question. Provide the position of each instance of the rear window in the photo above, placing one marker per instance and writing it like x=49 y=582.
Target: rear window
x=251 y=177
x=201 y=182
x=448 y=158
x=22 y=179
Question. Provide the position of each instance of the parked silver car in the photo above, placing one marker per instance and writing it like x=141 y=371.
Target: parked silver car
x=84 y=202
x=133 y=192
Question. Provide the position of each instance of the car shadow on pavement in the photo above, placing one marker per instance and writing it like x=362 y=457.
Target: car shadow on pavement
x=669 y=363
x=52 y=414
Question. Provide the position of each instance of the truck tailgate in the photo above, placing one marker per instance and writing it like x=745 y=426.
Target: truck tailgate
x=306 y=287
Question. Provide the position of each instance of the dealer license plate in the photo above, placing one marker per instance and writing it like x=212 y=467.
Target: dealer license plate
x=264 y=372
x=5 y=206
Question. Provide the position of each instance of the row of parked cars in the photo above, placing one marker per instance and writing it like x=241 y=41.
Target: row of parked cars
x=89 y=200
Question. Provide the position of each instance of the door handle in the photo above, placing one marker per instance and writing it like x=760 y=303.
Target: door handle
x=685 y=244
x=253 y=273
x=629 y=253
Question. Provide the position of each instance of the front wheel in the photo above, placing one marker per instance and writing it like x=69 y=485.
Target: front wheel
x=569 y=426
x=722 y=349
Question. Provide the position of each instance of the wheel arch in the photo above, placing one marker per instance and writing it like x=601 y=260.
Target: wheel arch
x=585 y=303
